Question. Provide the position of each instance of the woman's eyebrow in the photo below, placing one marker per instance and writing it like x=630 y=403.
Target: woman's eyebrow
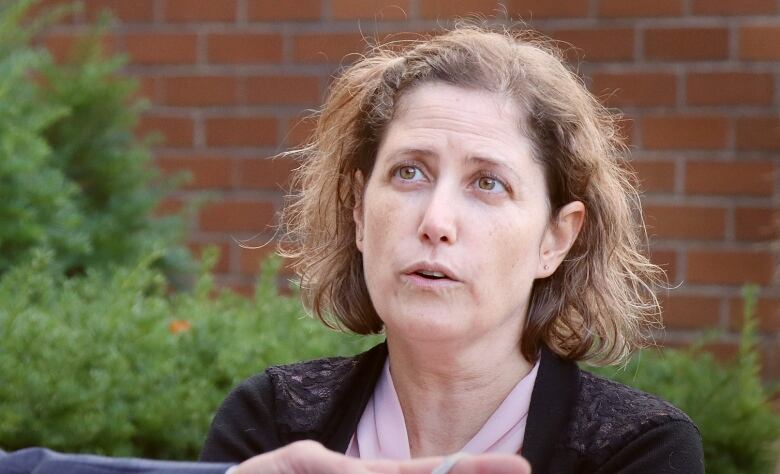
x=494 y=163
x=420 y=152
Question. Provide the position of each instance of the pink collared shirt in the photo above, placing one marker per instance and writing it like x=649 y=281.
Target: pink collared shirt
x=381 y=432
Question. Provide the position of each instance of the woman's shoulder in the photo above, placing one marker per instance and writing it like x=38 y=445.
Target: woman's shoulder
x=602 y=400
x=284 y=403
x=311 y=379
x=305 y=393
x=610 y=420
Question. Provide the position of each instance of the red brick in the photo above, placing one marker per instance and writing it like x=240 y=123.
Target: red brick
x=669 y=132
x=691 y=312
x=162 y=48
x=147 y=88
x=400 y=40
x=299 y=131
x=239 y=288
x=685 y=222
x=223 y=263
x=134 y=11
x=638 y=8
x=654 y=176
x=734 y=7
x=239 y=48
x=756 y=223
x=729 y=89
x=687 y=43
x=59 y=45
x=602 y=44
x=625 y=129
x=250 y=259
x=197 y=10
x=45 y=7
x=667 y=260
x=770 y=365
x=759 y=43
x=729 y=267
x=206 y=172
x=767 y=314
x=169 y=206
x=723 y=351
x=435 y=9
x=370 y=9
x=641 y=89
x=63 y=45
x=274 y=10
x=758 y=133
x=236 y=216
x=201 y=90
x=283 y=90
x=729 y=178
x=176 y=131
x=537 y=9
x=241 y=131
x=326 y=48
x=266 y=173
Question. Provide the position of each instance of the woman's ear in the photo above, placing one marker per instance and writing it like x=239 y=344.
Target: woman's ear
x=559 y=237
x=357 y=211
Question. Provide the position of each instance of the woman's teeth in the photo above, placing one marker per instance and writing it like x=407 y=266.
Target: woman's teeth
x=429 y=274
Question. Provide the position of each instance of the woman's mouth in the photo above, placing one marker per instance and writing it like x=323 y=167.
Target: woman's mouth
x=430 y=276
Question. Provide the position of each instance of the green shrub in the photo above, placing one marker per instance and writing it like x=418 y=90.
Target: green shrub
x=73 y=177
x=37 y=203
x=727 y=401
x=112 y=364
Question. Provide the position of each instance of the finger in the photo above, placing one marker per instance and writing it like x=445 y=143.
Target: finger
x=302 y=457
x=412 y=466
x=493 y=464
x=483 y=463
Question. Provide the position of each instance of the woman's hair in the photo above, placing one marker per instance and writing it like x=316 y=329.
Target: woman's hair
x=600 y=302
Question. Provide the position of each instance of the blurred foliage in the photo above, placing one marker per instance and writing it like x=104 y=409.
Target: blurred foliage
x=73 y=177
x=112 y=364
x=726 y=400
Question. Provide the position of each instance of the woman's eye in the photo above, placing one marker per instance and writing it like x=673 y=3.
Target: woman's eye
x=408 y=173
x=486 y=183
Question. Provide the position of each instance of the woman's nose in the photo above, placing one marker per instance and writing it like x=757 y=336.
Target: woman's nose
x=439 y=222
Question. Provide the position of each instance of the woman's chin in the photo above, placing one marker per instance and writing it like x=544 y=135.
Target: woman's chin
x=429 y=328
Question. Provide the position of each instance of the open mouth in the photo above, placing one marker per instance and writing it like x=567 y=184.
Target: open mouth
x=431 y=275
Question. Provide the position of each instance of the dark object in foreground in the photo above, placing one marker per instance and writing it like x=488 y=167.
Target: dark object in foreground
x=45 y=461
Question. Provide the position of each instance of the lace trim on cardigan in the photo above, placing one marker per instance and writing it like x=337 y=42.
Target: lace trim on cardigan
x=307 y=391
x=608 y=415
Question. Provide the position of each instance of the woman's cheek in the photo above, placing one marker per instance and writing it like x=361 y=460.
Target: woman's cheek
x=383 y=218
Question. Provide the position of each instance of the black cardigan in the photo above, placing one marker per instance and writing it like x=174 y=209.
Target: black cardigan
x=577 y=422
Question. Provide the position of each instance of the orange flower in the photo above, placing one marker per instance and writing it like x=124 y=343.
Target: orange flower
x=179 y=325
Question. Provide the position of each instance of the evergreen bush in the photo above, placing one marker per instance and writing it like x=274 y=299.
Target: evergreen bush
x=727 y=401
x=111 y=363
x=73 y=177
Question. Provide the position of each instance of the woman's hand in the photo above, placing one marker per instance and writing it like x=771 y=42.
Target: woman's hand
x=304 y=457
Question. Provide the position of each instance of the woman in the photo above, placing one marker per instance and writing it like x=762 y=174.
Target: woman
x=465 y=196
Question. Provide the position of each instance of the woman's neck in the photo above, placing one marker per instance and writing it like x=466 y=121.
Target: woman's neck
x=448 y=390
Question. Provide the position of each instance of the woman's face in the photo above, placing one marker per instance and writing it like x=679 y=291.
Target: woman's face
x=453 y=221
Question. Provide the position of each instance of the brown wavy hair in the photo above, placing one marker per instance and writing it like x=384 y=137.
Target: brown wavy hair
x=598 y=305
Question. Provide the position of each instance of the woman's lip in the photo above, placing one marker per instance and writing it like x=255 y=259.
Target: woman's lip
x=427 y=266
x=423 y=283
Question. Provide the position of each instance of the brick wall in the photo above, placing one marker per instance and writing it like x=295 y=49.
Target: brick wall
x=698 y=81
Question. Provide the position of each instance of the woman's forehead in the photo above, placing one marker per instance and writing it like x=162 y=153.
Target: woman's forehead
x=468 y=99
x=439 y=117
